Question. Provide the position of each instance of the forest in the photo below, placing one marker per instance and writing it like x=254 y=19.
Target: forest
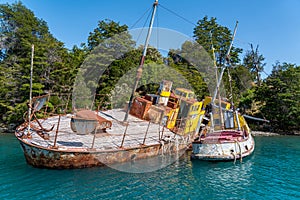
x=275 y=97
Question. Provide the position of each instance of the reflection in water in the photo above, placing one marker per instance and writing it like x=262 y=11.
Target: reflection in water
x=146 y=165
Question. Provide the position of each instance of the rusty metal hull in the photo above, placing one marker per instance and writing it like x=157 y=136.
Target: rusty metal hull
x=83 y=158
x=122 y=142
x=223 y=150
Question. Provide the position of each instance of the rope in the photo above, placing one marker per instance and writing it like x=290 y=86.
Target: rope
x=241 y=157
x=174 y=13
x=234 y=155
x=143 y=26
x=140 y=18
x=157 y=30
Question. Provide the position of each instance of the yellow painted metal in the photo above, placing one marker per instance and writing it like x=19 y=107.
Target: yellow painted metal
x=172 y=116
x=185 y=93
x=190 y=118
x=165 y=93
x=244 y=124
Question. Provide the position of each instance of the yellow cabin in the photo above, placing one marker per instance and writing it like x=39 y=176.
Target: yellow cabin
x=184 y=93
x=189 y=112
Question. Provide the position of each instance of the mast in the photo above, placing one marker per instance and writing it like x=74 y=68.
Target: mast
x=223 y=68
x=216 y=92
x=30 y=90
x=140 y=68
x=219 y=96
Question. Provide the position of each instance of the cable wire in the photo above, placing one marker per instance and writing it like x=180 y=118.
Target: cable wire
x=174 y=13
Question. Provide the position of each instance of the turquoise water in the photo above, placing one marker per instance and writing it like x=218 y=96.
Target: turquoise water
x=272 y=172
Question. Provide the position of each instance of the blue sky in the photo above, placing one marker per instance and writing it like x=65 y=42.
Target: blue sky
x=274 y=25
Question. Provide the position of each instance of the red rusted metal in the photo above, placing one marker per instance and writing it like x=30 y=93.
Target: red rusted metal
x=140 y=107
x=81 y=157
x=103 y=123
x=155 y=114
x=86 y=121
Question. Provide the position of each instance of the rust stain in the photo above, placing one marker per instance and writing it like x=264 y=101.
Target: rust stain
x=53 y=158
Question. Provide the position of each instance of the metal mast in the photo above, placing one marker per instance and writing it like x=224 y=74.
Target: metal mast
x=140 y=68
x=30 y=90
x=219 y=96
x=223 y=68
x=216 y=92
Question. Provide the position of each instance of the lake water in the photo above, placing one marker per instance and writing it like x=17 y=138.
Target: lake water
x=271 y=172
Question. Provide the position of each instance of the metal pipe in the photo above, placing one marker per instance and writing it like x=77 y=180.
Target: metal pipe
x=140 y=68
x=237 y=120
x=146 y=132
x=93 y=142
x=124 y=135
x=56 y=133
x=223 y=68
x=256 y=118
x=30 y=89
x=219 y=96
x=212 y=124
x=162 y=132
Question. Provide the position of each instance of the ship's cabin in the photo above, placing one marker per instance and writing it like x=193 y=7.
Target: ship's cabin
x=184 y=93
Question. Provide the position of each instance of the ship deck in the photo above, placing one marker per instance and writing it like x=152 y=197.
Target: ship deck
x=110 y=140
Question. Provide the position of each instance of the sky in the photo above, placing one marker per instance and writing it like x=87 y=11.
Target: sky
x=273 y=25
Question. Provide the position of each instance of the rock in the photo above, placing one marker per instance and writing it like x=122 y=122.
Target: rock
x=262 y=133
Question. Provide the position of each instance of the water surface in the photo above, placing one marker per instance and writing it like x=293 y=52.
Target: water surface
x=272 y=172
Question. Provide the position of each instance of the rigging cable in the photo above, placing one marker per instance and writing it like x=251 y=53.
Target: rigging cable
x=141 y=18
x=157 y=30
x=174 y=13
x=140 y=33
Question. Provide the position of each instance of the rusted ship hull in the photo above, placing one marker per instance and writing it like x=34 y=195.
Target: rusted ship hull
x=121 y=143
x=222 y=150
x=84 y=158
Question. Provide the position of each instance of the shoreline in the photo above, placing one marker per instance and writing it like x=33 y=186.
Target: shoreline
x=262 y=133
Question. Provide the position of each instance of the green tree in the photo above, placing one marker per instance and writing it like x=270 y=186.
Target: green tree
x=254 y=62
x=216 y=38
x=196 y=65
x=107 y=46
x=208 y=32
x=105 y=29
x=279 y=96
x=19 y=30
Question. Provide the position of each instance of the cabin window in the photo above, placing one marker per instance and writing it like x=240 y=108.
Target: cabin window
x=223 y=105
x=229 y=121
x=191 y=95
x=164 y=120
x=179 y=93
x=217 y=122
x=195 y=108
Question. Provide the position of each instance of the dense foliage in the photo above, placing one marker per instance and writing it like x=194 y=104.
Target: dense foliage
x=19 y=30
x=275 y=98
x=279 y=95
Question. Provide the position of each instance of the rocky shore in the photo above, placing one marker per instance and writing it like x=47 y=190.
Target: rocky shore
x=262 y=133
x=7 y=128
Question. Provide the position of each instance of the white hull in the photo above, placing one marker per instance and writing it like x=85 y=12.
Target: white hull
x=222 y=150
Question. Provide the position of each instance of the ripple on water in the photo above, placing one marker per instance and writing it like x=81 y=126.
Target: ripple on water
x=272 y=172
